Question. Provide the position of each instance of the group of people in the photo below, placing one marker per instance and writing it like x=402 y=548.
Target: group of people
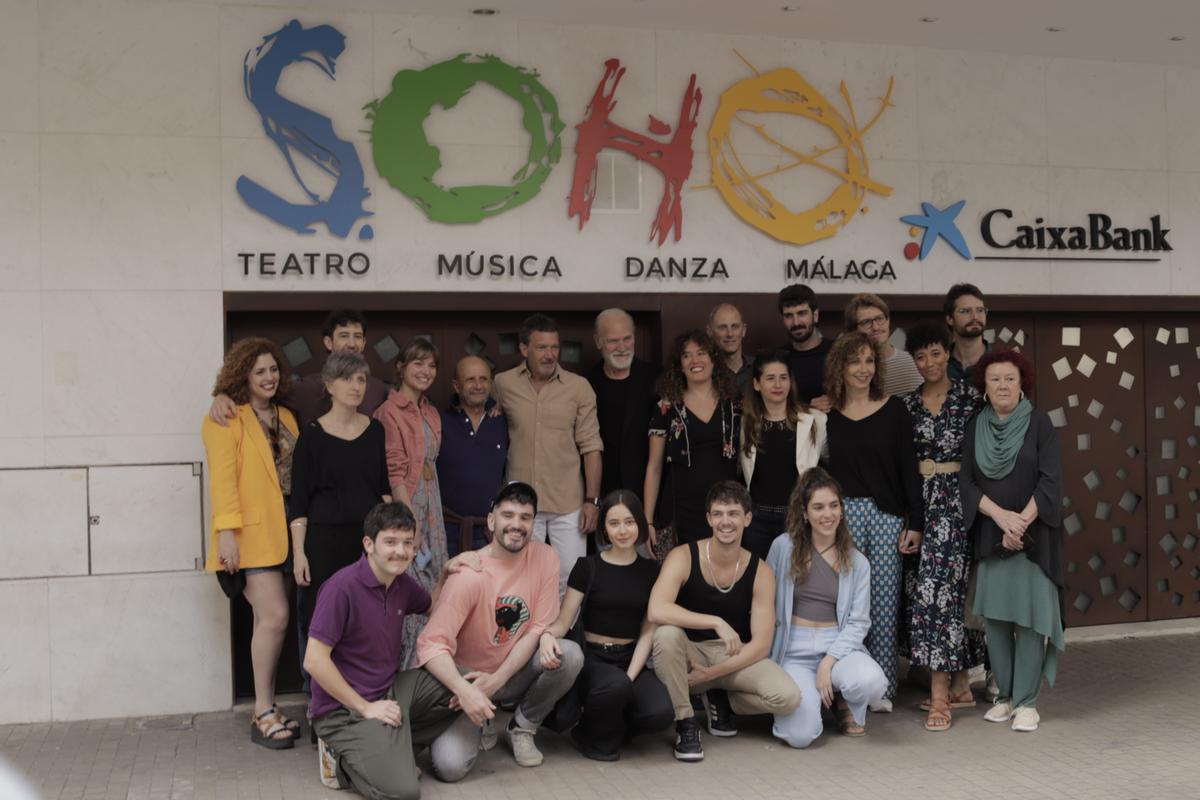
x=611 y=553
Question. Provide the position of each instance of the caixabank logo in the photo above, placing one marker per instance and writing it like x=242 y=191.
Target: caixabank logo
x=1004 y=237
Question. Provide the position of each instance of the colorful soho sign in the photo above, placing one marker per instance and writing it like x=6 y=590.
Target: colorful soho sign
x=409 y=162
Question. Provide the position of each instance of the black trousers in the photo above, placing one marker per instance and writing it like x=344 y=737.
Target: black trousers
x=615 y=707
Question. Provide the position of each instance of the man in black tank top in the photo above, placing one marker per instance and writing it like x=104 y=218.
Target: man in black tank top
x=714 y=604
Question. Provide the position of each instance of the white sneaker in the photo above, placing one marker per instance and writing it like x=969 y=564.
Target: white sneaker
x=327 y=764
x=883 y=706
x=1002 y=711
x=524 y=751
x=487 y=735
x=1026 y=718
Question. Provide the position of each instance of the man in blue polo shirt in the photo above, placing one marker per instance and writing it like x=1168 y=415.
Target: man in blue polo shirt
x=369 y=717
x=471 y=461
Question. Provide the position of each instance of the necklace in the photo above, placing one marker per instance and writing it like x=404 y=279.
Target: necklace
x=736 y=567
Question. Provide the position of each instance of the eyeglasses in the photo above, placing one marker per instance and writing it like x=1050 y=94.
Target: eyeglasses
x=872 y=322
x=977 y=310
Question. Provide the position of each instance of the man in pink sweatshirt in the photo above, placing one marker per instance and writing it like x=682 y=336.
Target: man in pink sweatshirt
x=481 y=641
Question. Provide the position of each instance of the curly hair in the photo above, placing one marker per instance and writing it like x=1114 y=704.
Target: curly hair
x=234 y=378
x=844 y=350
x=800 y=530
x=673 y=382
x=927 y=333
x=1023 y=365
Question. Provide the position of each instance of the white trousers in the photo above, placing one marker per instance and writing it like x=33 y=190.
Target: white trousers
x=857 y=677
x=562 y=532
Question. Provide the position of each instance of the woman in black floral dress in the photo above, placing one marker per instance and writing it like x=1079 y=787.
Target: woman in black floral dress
x=936 y=590
x=693 y=435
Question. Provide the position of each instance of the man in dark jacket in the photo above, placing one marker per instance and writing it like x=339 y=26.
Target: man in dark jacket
x=624 y=387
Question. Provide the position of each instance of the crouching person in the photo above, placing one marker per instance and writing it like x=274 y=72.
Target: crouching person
x=482 y=639
x=370 y=717
x=823 y=603
x=714 y=604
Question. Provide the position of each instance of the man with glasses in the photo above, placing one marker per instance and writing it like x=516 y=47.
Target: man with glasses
x=966 y=314
x=868 y=313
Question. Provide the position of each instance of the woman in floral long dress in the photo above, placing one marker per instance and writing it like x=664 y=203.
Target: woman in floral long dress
x=936 y=590
x=414 y=437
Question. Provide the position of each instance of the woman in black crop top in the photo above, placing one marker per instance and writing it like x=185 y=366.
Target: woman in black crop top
x=871 y=455
x=610 y=591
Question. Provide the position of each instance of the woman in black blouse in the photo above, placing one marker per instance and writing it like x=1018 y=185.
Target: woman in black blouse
x=619 y=694
x=339 y=473
x=871 y=455
x=695 y=431
x=781 y=439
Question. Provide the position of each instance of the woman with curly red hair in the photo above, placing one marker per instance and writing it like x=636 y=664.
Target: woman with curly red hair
x=250 y=469
x=1011 y=482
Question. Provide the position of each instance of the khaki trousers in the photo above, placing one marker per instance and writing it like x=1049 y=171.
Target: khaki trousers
x=761 y=688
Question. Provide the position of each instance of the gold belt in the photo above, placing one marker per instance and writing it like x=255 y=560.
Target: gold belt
x=928 y=467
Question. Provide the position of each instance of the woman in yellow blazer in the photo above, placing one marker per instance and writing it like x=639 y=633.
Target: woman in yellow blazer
x=249 y=465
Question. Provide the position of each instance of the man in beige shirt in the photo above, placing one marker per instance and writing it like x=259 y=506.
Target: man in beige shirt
x=552 y=428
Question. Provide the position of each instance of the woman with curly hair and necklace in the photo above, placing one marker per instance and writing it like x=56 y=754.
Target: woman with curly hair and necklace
x=250 y=473
x=822 y=613
x=694 y=432
x=871 y=455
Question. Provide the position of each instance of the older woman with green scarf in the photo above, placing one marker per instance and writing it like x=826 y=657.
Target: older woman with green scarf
x=1011 y=482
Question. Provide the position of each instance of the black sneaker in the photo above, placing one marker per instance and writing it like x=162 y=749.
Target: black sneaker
x=687 y=740
x=697 y=701
x=718 y=714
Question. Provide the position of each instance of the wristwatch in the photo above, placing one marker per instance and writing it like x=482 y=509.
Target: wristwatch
x=594 y=501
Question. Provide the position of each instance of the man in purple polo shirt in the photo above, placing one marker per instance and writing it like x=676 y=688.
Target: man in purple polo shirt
x=369 y=717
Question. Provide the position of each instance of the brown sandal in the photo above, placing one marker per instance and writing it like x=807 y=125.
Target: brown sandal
x=964 y=700
x=939 y=718
x=283 y=719
x=846 y=724
x=268 y=731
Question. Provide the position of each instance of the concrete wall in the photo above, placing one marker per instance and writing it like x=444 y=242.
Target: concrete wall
x=123 y=128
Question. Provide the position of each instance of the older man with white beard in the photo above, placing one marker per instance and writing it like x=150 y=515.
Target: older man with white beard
x=624 y=386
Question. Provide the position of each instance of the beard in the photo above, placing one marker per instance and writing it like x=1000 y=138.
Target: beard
x=800 y=334
x=969 y=332
x=617 y=361
x=502 y=539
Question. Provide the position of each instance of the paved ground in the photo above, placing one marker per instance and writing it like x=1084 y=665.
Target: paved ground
x=1124 y=722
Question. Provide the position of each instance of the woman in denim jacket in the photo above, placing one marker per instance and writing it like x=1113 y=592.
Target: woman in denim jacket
x=822 y=614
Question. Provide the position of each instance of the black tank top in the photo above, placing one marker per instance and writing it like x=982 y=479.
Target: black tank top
x=734 y=607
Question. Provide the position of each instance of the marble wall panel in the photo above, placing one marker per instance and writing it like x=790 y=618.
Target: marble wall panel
x=136 y=363
x=1106 y=115
x=20 y=254
x=25 y=660
x=43 y=523
x=985 y=108
x=1183 y=118
x=19 y=66
x=21 y=394
x=114 y=631
x=119 y=66
x=130 y=212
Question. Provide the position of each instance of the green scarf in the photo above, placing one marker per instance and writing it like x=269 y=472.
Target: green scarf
x=997 y=441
